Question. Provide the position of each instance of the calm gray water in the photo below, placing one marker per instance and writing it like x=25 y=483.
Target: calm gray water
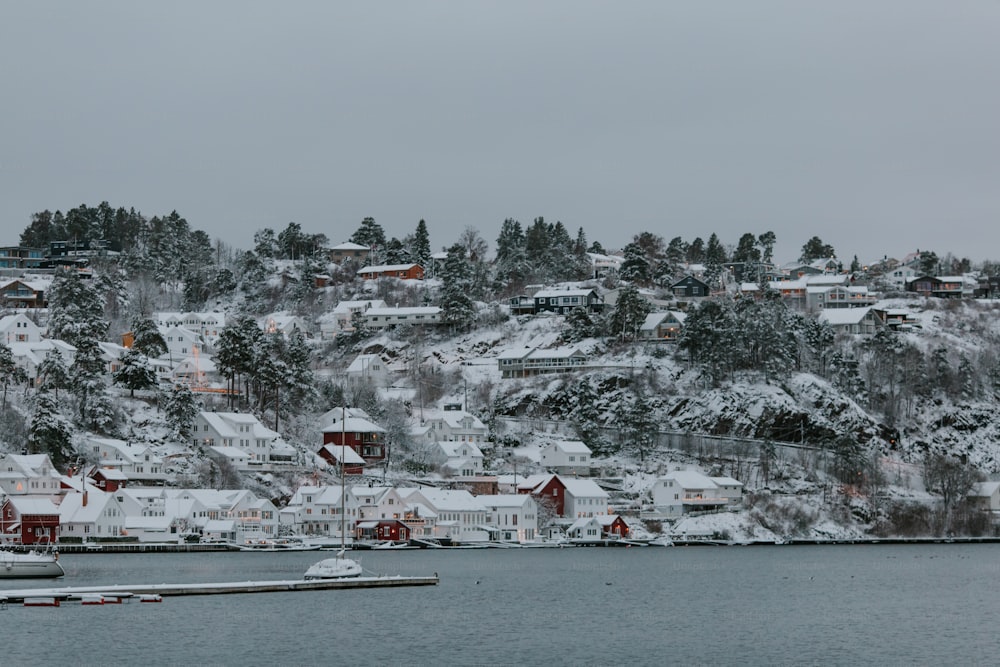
x=925 y=605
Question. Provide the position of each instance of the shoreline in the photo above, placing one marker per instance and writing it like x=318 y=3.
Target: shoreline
x=106 y=548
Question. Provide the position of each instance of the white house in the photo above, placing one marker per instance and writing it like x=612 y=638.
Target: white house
x=378 y=502
x=985 y=496
x=181 y=342
x=566 y=457
x=281 y=322
x=29 y=356
x=463 y=459
x=381 y=318
x=449 y=426
x=682 y=491
x=28 y=474
x=341 y=318
x=196 y=371
x=515 y=516
x=207 y=325
x=316 y=510
x=584 y=498
x=367 y=370
x=242 y=431
x=91 y=515
x=19 y=329
x=461 y=517
x=138 y=461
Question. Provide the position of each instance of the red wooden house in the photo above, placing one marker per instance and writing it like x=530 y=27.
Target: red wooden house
x=548 y=489
x=403 y=271
x=29 y=520
x=108 y=479
x=353 y=463
x=384 y=529
x=613 y=525
x=357 y=432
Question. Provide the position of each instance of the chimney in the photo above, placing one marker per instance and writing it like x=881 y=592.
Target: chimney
x=84 y=496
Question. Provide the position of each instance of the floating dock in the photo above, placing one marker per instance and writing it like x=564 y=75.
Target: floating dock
x=227 y=588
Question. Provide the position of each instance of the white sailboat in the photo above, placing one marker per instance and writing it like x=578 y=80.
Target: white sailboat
x=340 y=567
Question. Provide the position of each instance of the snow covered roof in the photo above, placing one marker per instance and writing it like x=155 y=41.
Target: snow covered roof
x=411 y=310
x=25 y=505
x=583 y=488
x=386 y=267
x=73 y=510
x=505 y=500
x=348 y=245
x=569 y=446
x=448 y=500
x=690 y=479
x=232 y=453
x=224 y=424
x=843 y=316
x=350 y=456
x=547 y=293
x=352 y=425
x=984 y=489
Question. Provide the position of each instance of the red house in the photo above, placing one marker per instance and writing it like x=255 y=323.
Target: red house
x=548 y=489
x=614 y=525
x=353 y=463
x=386 y=529
x=403 y=271
x=108 y=479
x=29 y=520
x=356 y=431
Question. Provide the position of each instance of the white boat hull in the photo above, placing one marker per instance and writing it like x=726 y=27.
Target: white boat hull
x=29 y=566
x=334 y=568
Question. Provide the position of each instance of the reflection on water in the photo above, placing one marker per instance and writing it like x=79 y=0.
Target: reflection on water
x=758 y=605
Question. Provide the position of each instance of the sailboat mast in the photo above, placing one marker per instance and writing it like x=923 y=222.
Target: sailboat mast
x=343 y=484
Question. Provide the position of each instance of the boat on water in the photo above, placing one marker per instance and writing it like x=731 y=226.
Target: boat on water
x=276 y=545
x=340 y=567
x=30 y=565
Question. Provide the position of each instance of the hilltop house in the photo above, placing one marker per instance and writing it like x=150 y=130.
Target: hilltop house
x=348 y=251
x=259 y=445
x=566 y=457
x=367 y=370
x=449 y=425
x=529 y=361
x=353 y=427
x=683 y=491
x=562 y=301
x=19 y=329
x=401 y=271
x=665 y=326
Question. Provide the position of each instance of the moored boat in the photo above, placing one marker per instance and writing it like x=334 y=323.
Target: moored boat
x=334 y=568
x=30 y=565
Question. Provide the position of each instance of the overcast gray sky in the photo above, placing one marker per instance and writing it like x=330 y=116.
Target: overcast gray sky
x=873 y=125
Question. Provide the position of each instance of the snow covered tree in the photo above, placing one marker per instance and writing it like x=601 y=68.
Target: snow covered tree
x=815 y=249
x=146 y=338
x=300 y=381
x=767 y=241
x=709 y=338
x=181 y=409
x=580 y=325
x=49 y=432
x=457 y=309
x=76 y=310
x=135 y=372
x=638 y=426
x=8 y=371
x=422 y=245
x=635 y=266
x=53 y=374
x=629 y=314
x=371 y=235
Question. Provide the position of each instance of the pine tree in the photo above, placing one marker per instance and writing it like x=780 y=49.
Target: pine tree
x=629 y=314
x=635 y=266
x=8 y=371
x=53 y=374
x=135 y=372
x=181 y=409
x=371 y=235
x=146 y=338
x=457 y=309
x=49 y=432
x=422 y=245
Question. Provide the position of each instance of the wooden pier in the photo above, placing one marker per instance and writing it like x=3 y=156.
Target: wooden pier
x=227 y=588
